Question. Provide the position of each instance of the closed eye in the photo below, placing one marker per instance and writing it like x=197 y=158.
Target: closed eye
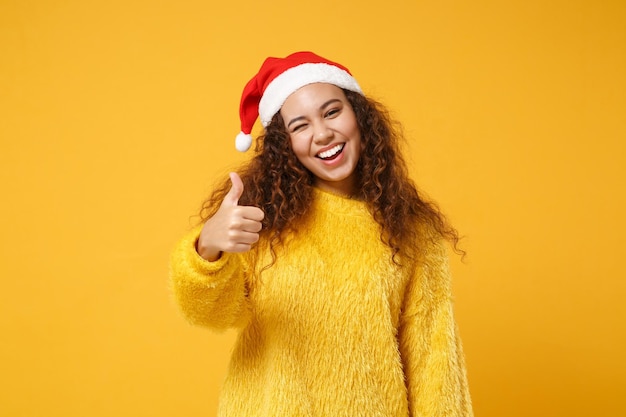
x=298 y=127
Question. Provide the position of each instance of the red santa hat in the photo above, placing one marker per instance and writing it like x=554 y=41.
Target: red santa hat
x=277 y=79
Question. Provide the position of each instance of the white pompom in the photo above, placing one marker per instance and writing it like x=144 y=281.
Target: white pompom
x=243 y=142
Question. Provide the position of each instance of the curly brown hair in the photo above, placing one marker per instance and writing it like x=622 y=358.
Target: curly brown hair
x=275 y=181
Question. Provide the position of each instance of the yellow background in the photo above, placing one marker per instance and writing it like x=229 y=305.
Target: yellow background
x=116 y=117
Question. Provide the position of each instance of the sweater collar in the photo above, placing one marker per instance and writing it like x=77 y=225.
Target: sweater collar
x=331 y=201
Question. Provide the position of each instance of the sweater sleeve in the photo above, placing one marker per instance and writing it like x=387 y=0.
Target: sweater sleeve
x=429 y=342
x=212 y=294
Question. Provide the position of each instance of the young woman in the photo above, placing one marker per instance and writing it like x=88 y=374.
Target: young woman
x=321 y=251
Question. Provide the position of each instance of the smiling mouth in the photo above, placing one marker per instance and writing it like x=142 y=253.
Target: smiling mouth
x=331 y=153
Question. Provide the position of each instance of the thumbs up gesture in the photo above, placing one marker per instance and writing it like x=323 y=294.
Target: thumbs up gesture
x=233 y=228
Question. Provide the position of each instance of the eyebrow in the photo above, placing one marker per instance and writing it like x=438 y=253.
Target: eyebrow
x=323 y=106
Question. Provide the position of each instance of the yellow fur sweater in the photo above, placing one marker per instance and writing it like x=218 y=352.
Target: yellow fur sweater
x=333 y=328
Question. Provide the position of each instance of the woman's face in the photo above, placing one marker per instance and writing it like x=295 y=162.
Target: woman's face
x=324 y=135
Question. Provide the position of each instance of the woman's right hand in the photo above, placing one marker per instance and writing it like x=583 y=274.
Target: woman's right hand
x=233 y=228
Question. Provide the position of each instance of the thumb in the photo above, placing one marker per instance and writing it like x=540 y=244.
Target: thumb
x=232 y=198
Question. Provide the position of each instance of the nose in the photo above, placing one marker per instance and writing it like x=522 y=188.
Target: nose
x=322 y=133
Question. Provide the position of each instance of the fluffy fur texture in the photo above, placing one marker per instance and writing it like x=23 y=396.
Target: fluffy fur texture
x=328 y=331
x=292 y=79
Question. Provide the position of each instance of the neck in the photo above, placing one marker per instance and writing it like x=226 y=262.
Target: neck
x=345 y=186
x=347 y=192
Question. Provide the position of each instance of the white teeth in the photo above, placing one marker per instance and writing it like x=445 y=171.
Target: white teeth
x=331 y=152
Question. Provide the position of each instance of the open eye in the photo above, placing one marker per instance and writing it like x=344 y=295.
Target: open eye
x=332 y=112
